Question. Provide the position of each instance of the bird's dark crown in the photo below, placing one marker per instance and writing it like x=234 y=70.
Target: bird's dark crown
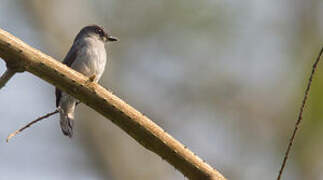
x=95 y=29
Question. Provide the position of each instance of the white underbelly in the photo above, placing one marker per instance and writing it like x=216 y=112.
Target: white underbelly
x=91 y=61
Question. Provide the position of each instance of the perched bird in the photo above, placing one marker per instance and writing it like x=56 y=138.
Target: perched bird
x=87 y=56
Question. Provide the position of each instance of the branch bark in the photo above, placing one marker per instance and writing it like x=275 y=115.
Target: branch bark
x=137 y=125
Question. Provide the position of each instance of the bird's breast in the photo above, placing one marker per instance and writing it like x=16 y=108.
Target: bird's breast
x=91 y=60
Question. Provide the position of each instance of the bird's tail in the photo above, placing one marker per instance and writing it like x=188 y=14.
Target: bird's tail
x=66 y=122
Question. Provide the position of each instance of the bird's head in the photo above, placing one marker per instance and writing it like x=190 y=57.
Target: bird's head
x=96 y=32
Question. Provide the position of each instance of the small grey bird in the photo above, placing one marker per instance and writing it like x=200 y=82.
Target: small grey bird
x=87 y=56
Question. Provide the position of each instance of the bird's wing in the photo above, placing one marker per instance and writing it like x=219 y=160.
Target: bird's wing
x=71 y=55
x=68 y=60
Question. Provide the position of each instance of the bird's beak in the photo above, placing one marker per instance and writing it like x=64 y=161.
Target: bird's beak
x=112 y=38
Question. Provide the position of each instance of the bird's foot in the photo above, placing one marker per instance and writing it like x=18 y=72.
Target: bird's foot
x=91 y=82
x=92 y=78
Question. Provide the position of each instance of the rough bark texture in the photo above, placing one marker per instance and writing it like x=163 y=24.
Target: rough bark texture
x=18 y=54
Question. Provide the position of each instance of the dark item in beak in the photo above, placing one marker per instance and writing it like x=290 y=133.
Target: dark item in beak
x=112 y=38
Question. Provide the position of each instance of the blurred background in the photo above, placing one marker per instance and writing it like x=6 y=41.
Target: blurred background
x=226 y=78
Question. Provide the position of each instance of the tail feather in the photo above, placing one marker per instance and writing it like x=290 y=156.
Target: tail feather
x=66 y=123
x=66 y=108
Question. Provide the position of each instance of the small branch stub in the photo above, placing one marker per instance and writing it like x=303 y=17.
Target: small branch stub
x=7 y=75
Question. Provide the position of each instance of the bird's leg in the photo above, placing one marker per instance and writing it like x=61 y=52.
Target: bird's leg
x=92 y=78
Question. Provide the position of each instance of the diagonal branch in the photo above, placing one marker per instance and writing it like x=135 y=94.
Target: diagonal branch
x=137 y=125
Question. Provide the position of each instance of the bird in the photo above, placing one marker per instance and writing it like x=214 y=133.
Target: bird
x=89 y=57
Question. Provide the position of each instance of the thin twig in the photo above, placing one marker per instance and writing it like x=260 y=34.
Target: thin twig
x=6 y=77
x=31 y=123
x=300 y=115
